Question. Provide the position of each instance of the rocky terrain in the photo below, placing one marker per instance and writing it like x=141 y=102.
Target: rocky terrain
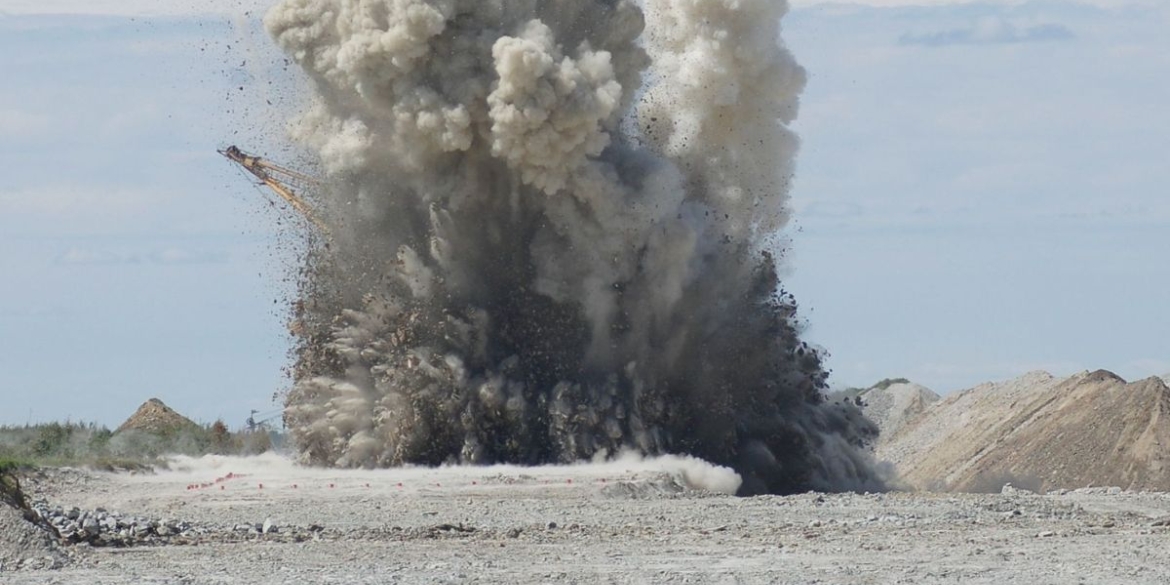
x=262 y=520
x=1038 y=431
x=1032 y=444
x=26 y=540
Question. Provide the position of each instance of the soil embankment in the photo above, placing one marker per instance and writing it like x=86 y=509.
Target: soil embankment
x=1037 y=431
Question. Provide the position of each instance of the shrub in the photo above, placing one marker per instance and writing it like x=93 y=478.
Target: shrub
x=72 y=443
x=52 y=440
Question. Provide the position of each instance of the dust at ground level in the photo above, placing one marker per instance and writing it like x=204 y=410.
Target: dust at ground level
x=636 y=523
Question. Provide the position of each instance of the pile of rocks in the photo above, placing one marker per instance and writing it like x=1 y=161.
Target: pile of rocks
x=102 y=528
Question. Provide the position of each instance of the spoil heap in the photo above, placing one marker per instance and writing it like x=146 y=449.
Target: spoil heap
x=26 y=541
x=1040 y=432
x=892 y=405
x=156 y=418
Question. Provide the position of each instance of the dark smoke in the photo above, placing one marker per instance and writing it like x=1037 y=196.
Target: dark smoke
x=550 y=233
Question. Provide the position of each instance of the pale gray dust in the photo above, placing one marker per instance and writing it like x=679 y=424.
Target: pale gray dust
x=554 y=237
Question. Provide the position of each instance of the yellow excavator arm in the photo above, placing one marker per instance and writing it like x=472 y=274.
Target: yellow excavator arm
x=282 y=181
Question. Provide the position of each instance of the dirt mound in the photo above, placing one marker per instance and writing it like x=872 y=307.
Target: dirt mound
x=26 y=542
x=892 y=406
x=158 y=418
x=1038 y=432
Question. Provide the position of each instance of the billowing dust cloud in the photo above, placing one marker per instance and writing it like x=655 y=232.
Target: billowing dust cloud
x=551 y=223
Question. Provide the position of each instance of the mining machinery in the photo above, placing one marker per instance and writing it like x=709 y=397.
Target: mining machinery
x=284 y=182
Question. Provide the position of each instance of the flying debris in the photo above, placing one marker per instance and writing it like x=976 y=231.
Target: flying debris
x=263 y=421
x=555 y=238
x=284 y=182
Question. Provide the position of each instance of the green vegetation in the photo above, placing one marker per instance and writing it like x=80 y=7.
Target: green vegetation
x=9 y=465
x=10 y=494
x=852 y=393
x=88 y=444
x=888 y=382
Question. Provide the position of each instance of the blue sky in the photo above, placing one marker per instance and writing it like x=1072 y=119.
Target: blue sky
x=981 y=192
x=983 y=189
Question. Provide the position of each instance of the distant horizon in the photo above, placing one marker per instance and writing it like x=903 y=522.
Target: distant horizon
x=234 y=426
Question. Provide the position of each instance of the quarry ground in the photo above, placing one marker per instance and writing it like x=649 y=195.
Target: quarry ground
x=632 y=522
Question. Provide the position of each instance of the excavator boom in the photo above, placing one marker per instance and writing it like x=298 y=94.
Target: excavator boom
x=282 y=181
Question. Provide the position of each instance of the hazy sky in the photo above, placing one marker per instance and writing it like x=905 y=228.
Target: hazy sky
x=982 y=191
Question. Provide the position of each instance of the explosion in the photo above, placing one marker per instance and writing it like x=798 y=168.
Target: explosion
x=550 y=234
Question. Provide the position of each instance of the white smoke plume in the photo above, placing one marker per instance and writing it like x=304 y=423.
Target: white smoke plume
x=551 y=223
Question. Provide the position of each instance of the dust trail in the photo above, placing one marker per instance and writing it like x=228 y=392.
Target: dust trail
x=279 y=470
x=537 y=258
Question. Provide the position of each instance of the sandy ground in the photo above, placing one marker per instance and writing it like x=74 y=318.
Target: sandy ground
x=630 y=522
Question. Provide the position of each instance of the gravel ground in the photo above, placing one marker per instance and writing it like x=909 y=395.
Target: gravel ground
x=633 y=522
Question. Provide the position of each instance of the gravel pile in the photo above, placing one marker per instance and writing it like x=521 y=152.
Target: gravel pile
x=891 y=406
x=1036 y=431
x=24 y=543
x=103 y=528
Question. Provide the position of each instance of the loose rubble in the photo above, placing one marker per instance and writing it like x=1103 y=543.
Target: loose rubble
x=25 y=543
x=575 y=524
x=25 y=546
x=100 y=528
